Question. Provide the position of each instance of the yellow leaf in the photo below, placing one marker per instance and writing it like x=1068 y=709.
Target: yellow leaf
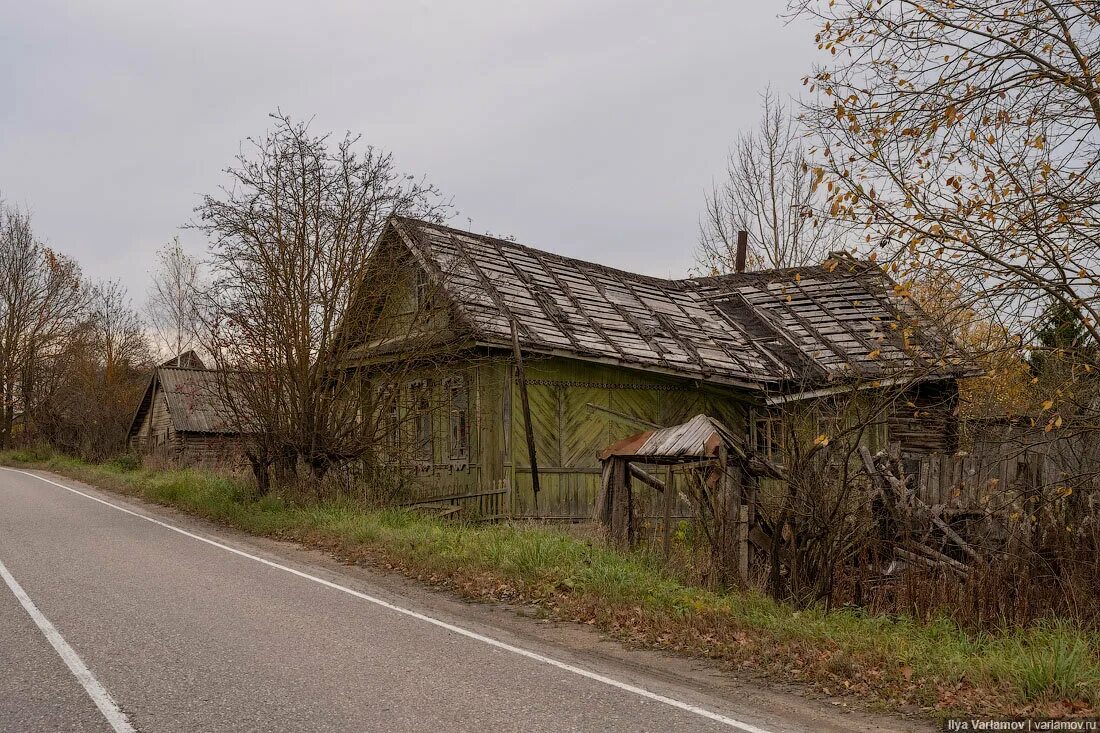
x=1047 y=404
x=874 y=354
x=819 y=174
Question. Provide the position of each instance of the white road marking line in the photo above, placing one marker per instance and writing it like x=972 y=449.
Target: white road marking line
x=102 y=699
x=596 y=676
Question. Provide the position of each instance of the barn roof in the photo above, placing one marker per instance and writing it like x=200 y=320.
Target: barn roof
x=194 y=401
x=807 y=325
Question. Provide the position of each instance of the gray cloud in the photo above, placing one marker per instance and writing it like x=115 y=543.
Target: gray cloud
x=590 y=129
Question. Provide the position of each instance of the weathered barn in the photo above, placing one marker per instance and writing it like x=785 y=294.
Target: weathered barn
x=181 y=416
x=608 y=352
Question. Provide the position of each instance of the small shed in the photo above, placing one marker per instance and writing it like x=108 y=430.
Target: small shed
x=182 y=416
x=697 y=439
x=727 y=494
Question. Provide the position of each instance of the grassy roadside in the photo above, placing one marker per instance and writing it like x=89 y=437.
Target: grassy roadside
x=887 y=662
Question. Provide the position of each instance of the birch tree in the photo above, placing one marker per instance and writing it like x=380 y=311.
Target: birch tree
x=171 y=302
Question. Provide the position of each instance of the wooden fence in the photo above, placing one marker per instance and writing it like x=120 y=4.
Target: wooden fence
x=1006 y=462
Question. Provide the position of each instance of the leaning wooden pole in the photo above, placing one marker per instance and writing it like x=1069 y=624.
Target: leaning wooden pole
x=526 y=404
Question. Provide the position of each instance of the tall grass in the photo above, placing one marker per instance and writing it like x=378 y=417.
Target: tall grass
x=892 y=659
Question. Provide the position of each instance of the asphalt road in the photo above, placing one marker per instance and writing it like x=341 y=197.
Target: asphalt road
x=183 y=627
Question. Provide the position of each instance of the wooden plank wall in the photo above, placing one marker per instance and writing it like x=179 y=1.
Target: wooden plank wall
x=998 y=473
x=477 y=484
x=156 y=432
x=569 y=433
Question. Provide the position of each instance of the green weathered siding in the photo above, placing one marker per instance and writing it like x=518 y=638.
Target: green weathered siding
x=570 y=433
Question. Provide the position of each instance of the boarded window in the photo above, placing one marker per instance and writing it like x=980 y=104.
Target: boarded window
x=458 y=404
x=421 y=403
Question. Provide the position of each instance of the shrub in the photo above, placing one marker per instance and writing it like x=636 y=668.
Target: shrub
x=126 y=462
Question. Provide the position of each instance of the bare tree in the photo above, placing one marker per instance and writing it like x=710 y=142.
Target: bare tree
x=41 y=300
x=290 y=243
x=172 y=300
x=769 y=192
x=119 y=332
x=90 y=385
x=966 y=133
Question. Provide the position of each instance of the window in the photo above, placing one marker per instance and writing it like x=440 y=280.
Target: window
x=421 y=400
x=423 y=290
x=390 y=420
x=458 y=402
x=769 y=437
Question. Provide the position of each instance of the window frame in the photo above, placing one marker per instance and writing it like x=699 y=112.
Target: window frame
x=389 y=411
x=420 y=405
x=421 y=289
x=457 y=390
x=769 y=437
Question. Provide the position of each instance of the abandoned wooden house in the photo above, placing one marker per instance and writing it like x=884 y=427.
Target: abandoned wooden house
x=180 y=416
x=606 y=353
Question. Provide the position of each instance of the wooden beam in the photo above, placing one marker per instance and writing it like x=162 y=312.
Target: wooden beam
x=621 y=504
x=729 y=533
x=740 y=556
x=946 y=529
x=564 y=287
x=622 y=416
x=607 y=493
x=646 y=478
x=624 y=314
x=526 y=404
x=930 y=563
x=492 y=291
x=939 y=556
x=666 y=527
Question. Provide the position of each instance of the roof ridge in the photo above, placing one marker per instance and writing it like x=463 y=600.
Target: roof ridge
x=544 y=252
x=187 y=369
x=681 y=282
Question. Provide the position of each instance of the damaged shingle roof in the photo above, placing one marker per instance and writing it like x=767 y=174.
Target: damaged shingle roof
x=807 y=325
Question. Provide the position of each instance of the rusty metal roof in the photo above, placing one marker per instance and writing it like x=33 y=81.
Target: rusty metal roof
x=699 y=438
x=807 y=325
x=194 y=401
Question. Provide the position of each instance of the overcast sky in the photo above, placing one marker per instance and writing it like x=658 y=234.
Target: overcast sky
x=590 y=129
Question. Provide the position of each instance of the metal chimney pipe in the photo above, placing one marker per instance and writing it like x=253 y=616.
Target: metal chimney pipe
x=742 y=250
